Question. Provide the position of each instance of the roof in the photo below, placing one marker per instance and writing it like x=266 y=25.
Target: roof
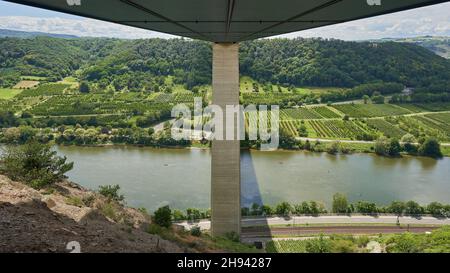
x=227 y=20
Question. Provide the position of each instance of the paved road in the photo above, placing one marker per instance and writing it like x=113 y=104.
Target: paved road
x=355 y=219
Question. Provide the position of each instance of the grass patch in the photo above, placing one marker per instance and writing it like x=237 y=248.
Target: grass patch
x=9 y=93
x=75 y=201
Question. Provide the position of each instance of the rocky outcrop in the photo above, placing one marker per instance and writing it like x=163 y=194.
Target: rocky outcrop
x=60 y=218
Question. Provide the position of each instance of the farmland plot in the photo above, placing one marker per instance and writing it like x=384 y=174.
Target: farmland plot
x=388 y=129
x=337 y=129
x=371 y=110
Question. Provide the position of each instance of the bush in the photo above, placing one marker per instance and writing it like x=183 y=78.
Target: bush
x=163 y=217
x=333 y=148
x=340 y=203
x=111 y=192
x=34 y=164
x=284 y=208
x=431 y=148
x=196 y=231
x=319 y=245
x=233 y=236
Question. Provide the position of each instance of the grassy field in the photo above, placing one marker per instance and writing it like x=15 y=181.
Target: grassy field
x=8 y=93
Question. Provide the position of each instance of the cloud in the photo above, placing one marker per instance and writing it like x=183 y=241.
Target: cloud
x=432 y=20
x=79 y=27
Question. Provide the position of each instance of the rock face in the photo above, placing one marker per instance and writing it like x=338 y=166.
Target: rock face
x=67 y=216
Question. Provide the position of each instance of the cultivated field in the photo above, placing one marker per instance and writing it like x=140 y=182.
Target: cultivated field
x=25 y=84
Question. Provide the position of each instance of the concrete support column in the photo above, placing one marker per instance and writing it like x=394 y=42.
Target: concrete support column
x=225 y=154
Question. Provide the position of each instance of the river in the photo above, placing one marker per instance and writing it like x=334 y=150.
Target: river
x=180 y=177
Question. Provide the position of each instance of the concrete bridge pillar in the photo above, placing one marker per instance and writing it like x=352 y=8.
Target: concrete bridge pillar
x=225 y=154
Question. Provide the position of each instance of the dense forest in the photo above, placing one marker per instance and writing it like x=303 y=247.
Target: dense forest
x=138 y=65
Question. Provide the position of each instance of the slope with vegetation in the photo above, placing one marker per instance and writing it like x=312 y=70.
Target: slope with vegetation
x=41 y=211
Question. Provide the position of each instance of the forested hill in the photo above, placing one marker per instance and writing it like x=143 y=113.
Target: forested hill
x=300 y=62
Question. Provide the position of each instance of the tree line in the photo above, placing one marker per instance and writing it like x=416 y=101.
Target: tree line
x=138 y=65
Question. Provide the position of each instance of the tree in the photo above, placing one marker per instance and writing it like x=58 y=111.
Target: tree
x=163 y=217
x=408 y=141
x=394 y=148
x=387 y=147
x=193 y=214
x=381 y=146
x=413 y=208
x=366 y=207
x=84 y=87
x=340 y=203
x=397 y=207
x=435 y=208
x=378 y=99
x=34 y=164
x=255 y=209
x=111 y=192
x=366 y=99
x=266 y=210
x=431 y=148
x=284 y=208
x=334 y=148
x=302 y=131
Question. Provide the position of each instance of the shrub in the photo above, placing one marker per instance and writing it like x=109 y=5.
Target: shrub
x=74 y=201
x=333 y=148
x=111 y=192
x=34 y=164
x=163 y=217
x=431 y=148
x=340 y=203
x=232 y=236
x=284 y=208
x=318 y=245
x=196 y=231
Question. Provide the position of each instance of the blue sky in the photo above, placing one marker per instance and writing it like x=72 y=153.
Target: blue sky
x=432 y=20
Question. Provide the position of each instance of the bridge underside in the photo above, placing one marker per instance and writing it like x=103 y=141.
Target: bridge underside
x=225 y=22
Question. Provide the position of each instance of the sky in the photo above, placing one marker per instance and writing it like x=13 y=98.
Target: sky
x=431 y=20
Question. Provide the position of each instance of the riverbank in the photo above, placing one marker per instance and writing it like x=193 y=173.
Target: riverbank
x=351 y=147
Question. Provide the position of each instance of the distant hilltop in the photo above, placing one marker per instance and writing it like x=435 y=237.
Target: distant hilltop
x=438 y=44
x=26 y=34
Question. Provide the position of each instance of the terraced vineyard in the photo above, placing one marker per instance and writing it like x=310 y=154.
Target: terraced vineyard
x=269 y=98
x=338 y=129
x=290 y=126
x=325 y=112
x=433 y=107
x=437 y=121
x=95 y=104
x=299 y=113
x=44 y=90
x=371 y=110
x=419 y=126
x=318 y=112
x=386 y=128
